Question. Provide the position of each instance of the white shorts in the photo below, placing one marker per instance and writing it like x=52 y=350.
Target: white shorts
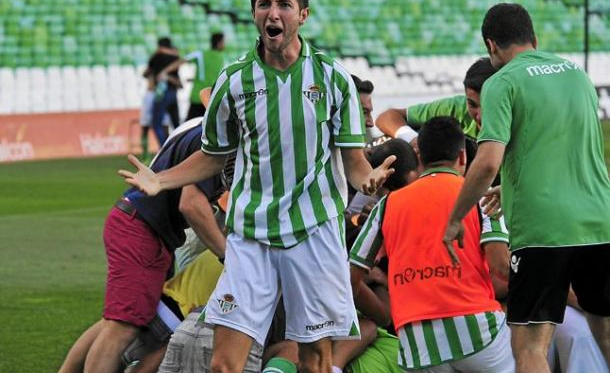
x=313 y=277
x=146 y=111
x=497 y=357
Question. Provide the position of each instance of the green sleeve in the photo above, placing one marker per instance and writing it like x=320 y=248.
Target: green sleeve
x=370 y=239
x=454 y=106
x=220 y=133
x=497 y=111
x=348 y=121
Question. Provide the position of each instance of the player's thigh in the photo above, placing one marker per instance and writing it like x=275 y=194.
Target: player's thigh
x=316 y=287
x=591 y=279
x=538 y=285
x=247 y=291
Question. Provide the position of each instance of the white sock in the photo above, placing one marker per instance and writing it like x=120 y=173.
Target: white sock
x=337 y=369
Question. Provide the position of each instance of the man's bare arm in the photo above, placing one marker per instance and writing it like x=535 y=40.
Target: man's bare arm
x=197 y=211
x=391 y=120
x=478 y=180
x=199 y=166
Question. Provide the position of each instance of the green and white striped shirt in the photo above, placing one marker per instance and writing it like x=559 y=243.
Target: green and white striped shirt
x=434 y=342
x=287 y=127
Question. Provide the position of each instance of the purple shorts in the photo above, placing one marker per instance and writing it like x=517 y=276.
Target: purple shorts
x=137 y=265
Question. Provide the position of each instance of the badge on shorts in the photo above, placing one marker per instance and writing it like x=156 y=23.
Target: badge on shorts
x=227 y=304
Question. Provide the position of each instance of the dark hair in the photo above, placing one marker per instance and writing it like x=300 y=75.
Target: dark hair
x=164 y=42
x=302 y=3
x=507 y=24
x=440 y=139
x=406 y=161
x=471 y=147
x=216 y=39
x=478 y=73
x=363 y=86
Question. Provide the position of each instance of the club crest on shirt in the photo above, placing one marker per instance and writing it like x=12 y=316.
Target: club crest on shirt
x=227 y=304
x=314 y=93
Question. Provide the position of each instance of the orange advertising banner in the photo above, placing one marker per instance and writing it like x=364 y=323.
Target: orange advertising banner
x=65 y=135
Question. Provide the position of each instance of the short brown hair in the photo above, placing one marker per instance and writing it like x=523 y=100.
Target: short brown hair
x=302 y=3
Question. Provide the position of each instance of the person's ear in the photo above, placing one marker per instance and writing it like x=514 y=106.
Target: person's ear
x=462 y=158
x=304 y=16
x=491 y=46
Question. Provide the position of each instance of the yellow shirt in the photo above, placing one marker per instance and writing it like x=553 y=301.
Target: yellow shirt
x=192 y=287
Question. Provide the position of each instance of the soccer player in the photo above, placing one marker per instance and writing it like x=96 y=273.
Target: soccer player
x=540 y=124
x=465 y=108
x=446 y=316
x=208 y=65
x=293 y=116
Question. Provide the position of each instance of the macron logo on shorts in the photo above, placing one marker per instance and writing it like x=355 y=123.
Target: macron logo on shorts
x=514 y=263
x=227 y=304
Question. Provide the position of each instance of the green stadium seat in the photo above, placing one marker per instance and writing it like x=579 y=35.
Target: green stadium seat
x=380 y=30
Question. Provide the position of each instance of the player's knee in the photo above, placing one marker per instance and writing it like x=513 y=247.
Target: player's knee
x=315 y=357
x=119 y=330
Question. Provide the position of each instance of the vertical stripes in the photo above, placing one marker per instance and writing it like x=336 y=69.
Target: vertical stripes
x=369 y=240
x=463 y=335
x=434 y=342
x=288 y=176
x=442 y=344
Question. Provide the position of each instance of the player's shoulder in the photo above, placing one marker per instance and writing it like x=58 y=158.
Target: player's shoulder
x=238 y=64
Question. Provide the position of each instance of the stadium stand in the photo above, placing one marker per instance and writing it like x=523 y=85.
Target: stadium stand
x=69 y=55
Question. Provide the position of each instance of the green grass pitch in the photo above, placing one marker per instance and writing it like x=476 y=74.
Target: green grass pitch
x=53 y=264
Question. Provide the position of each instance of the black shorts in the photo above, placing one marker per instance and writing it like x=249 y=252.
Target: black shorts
x=540 y=278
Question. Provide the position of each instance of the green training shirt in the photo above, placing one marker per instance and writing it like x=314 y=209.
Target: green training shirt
x=208 y=64
x=454 y=106
x=287 y=127
x=555 y=187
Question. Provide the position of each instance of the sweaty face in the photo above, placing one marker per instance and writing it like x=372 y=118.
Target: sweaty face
x=473 y=104
x=367 y=109
x=278 y=22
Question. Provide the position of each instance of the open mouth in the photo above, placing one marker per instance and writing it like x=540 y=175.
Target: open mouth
x=273 y=31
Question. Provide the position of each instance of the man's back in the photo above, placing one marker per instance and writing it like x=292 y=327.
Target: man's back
x=544 y=109
x=413 y=224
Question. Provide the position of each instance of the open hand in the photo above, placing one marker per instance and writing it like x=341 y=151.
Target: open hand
x=378 y=176
x=144 y=178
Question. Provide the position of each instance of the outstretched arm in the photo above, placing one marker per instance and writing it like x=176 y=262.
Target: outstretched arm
x=361 y=175
x=391 y=120
x=478 y=180
x=199 y=166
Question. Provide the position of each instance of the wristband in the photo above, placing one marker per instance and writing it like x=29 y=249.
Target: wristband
x=405 y=133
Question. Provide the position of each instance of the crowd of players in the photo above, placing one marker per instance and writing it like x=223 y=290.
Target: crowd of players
x=286 y=268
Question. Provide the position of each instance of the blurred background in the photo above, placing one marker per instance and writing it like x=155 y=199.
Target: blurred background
x=74 y=67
